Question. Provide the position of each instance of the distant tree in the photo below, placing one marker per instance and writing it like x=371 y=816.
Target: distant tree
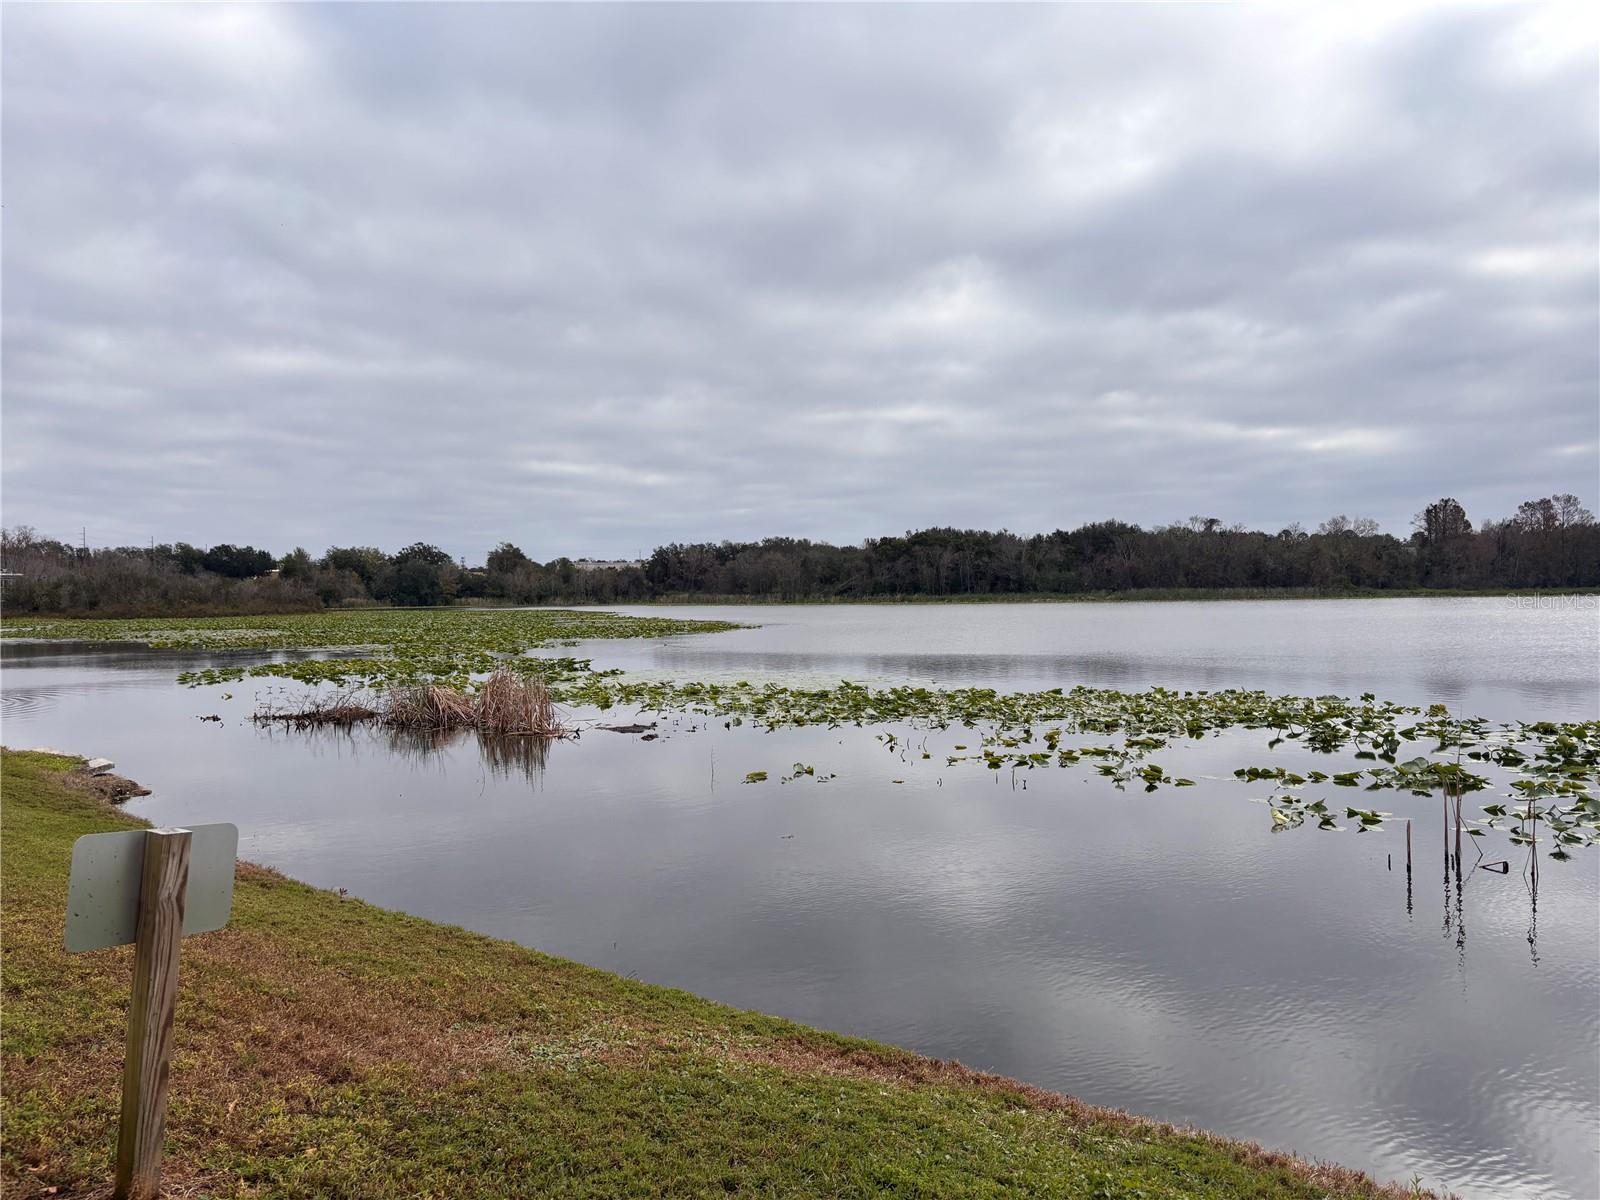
x=423 y=574
x=1442 y=521
x=366 y=561
x=1551 y=513
x=19 y=539
x=1537 y=516
x=337 y=585
x=1553 y=541
x=1354 y=526
x=187 y=558
x=505 y=559
x=417 y=583
x=1570 y=512
x=296 y=564
x=422 y=552
x=236 y=562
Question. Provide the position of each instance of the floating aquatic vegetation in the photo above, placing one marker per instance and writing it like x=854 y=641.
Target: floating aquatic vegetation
x=1025 y=731
x=381 y=647
x=1291 y=810
x=806 y=771
x=1554 y=767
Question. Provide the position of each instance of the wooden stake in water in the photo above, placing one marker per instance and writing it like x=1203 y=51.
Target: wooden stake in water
x=1445 y=799
x=1458 y=834
x=1408 y=866
x=162 y=891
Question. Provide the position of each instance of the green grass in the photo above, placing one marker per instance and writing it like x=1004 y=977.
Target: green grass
x=326 y=1048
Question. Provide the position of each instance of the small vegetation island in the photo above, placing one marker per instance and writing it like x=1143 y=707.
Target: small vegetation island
x=325 y=1047
x=1548 y=543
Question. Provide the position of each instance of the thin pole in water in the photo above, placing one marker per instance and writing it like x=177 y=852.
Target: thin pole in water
x=1445 y=799
x=1458 y=834
x=1408 y=866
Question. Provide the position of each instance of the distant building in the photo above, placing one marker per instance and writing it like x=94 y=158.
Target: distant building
x=603 y=564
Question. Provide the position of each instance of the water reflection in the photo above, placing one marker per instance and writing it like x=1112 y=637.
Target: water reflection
x=1530 y=875
x=1479 y=655
x=521 y=756
x=1453 y=925
x=503 y=756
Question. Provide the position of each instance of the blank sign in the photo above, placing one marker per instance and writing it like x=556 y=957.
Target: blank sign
x=107 y=869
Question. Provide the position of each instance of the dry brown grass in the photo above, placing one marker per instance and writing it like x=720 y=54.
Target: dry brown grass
x=341 y=709
x=113 y=789
x=508 y=703
x=505 y=703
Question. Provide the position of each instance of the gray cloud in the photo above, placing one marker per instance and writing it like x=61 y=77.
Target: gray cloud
x=592 y=278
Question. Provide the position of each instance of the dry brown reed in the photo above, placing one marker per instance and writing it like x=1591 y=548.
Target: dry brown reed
x=341 y=709
x=505 y=703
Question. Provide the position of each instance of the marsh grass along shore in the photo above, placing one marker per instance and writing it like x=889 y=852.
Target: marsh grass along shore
x=328 y=1048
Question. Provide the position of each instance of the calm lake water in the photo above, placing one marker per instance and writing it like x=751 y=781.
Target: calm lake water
x=1165 y=953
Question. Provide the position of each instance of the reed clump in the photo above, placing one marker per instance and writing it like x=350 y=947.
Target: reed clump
x=334 y=710
x=505 y=703
x=429 y=706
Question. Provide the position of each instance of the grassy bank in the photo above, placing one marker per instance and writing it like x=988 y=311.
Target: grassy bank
x=329 y=1048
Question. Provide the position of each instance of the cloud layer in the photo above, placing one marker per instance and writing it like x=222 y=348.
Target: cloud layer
x=593 y=278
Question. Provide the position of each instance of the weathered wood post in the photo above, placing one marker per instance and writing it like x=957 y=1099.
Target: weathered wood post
x=164 y=887
x=149 y=887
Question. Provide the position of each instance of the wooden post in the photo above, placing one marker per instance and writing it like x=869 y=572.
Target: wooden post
x=154 y=1001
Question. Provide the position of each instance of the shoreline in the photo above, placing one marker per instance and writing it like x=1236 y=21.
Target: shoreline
x=328 y=1045
x=695 y=599
x=1132 y=596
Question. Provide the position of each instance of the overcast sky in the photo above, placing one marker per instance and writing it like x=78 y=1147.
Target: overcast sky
x=595 y=278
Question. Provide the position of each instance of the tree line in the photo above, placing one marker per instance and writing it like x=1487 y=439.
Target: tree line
x=1553 y=542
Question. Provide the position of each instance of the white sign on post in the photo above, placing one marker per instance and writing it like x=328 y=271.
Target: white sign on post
x=107 y=869
x=148 y=887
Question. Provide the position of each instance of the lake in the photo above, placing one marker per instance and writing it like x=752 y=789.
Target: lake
x=1166 y=953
